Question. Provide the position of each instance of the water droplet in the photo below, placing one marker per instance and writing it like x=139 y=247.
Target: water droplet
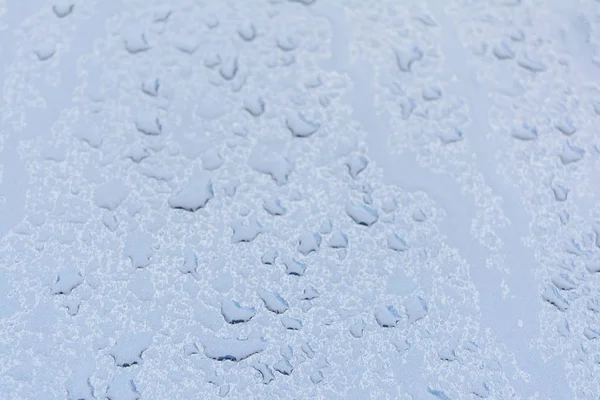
x=148 y=124
x=552 y=296
x=273 y=301
x=362 y=214
x=234 y=313
x=62 y=8
x=299 y=125
x=405 y=58
x=194 y=195
x=525 y=132
x=531 y=64
x=571 y=154
x=247 y=31
x=503 y=51
x=356 y=164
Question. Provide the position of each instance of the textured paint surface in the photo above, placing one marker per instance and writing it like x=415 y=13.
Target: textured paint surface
x=300 y=199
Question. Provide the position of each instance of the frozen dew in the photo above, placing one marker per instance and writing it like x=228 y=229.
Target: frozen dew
x=591 y=334
x=531 y=64
x=264 y=370
x=287 y=352
x=190 y=349
x=450 y=136
x=416 y=308
x=303 y=2
x=426 y=20
x=222 y=349
x=148 y=123
x=419 y=215
x=128 y=350
x=563 y=328
x=408 y=105
x=150 y=86
x=284 y=367
x=326 y=226
x=525 y=132
x=234 y=313
x=406 y=57
x=357 y=329
x=387 y=316
x=274 y=207
x=389 y=205
x=142 y=287
x=190 y=263
x=431 y=93
x=229 y=68
x=54 y=153
x=438 y=393
x=211 y=21
x=481 y=390
x=186 y=44
x=247 y=31
x=447 y=354
x=122 y=388
x=560 y=192
x=503 y=51
x=517 y=35
x=566 y=126
x=594 y=305
x=138 y=248
x=270 y=163
x=564 y=217
x=254 y=105
x=79 y=387
x=224 y=390
x=287 y=43
x=273 y=301
x=62 y=8
x=316 y=376
x=307 y=350
x=245 y=231
x=356 y=164
x=67 y=280
x=269 y=257
x=309 y=242
x=552 y=296
x=571 y=154
x=396 y=243
x=44 y=50
x=293 y=267
x=471 y=346
x=593 y=267
x=563 y=282
x=212 y=159
x=362 y=214
x=215 y=378
x=299 y=126
x=309 y=293
x=89 y=135
x=110 y=221
x=401 y=345
x=162 y=13
x=338 y=240
x=111 y=194
x=210 y=109
x=596 y=229
x=212 y=59
x=291 y=323
x=194 y=195
x=135 y=39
